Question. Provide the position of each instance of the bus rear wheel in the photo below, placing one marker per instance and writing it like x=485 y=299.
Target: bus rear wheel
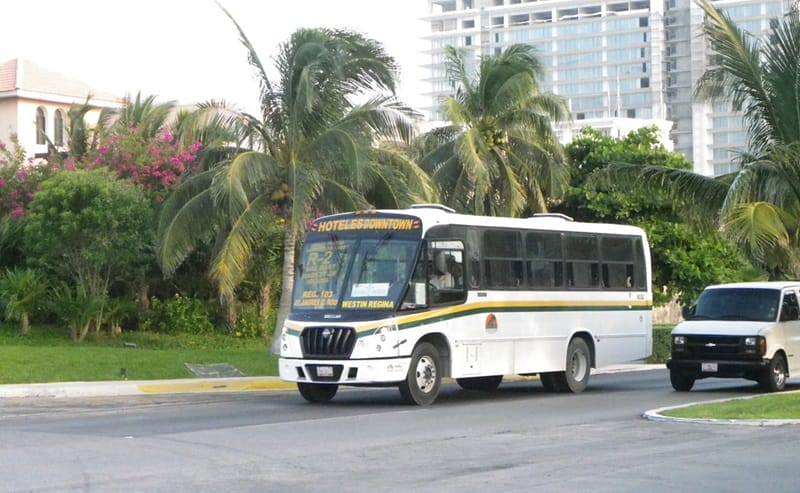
x=579 y=367
x=480 y=383
x=317 y=392
x=421 y=386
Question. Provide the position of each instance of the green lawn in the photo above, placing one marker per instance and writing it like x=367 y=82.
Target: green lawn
x=47 y=355
x=769 y=406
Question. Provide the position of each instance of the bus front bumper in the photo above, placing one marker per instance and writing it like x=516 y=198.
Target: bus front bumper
x=346 y=372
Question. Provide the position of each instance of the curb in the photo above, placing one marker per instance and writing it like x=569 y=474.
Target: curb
x=194 y=385
x=106 y=389
x=655 y=414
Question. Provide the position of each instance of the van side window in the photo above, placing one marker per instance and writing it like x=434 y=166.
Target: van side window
x=790 y=310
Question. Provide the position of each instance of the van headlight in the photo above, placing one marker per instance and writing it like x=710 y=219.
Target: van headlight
x=755 y=345
x=678 y=340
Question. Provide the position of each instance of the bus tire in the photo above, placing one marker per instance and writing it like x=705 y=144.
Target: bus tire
x=576 y=377
x=421 y=386
x=774 y=377
x=680 y=382
x=317 y=392
x=480 y=383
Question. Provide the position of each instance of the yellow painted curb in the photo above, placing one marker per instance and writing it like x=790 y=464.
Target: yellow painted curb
x=216 y=386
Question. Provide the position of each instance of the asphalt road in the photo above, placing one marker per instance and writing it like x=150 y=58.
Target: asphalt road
x=519 y=438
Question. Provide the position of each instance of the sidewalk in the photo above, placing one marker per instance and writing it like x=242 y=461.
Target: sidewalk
x=192 y=385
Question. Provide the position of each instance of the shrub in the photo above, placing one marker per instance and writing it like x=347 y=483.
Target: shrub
x=180 y=315
x=660 y=344
x=248 y=323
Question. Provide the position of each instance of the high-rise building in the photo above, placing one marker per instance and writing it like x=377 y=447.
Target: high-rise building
x=610 y=59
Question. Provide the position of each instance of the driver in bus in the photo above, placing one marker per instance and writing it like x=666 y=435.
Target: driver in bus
x=441 y=278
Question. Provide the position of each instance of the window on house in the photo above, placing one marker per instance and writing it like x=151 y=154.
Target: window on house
x=58 y=128
x=40 y=125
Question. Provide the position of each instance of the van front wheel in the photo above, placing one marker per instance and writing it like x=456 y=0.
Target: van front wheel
x=774 y=378
x=680 y=382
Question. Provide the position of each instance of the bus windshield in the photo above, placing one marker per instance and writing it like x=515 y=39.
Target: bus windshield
x=356 y=273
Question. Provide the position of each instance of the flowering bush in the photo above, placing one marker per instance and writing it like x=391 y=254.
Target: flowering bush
x=19 y=179
x=156 y=164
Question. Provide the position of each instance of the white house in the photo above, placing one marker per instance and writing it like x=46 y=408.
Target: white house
x=34 y=103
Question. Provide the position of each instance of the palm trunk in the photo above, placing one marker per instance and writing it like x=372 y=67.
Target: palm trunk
x=230 y=313
x=144 y=300
x=264 y=294
x=26 y=324
x=289 y=243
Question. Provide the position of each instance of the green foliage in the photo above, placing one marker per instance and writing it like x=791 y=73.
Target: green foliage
x=21 y=293
x=90 y=229
x=180 y=315
x=684 y=260
x=660 y=344
x=499 y=156
x=75 y=307
x=249 y=323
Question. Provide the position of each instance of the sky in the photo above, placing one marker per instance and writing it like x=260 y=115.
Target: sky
x=188 y=51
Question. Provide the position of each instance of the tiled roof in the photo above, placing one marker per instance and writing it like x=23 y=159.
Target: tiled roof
x=22 y=75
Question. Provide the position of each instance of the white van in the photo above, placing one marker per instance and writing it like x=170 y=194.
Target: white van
x=743 y=330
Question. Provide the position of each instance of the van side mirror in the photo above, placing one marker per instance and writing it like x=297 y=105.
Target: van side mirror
x=688 y=312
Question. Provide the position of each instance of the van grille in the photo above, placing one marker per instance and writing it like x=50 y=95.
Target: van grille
x=328 y=342
x=714 y=347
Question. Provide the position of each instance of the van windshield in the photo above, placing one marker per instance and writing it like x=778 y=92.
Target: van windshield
x=738 y=304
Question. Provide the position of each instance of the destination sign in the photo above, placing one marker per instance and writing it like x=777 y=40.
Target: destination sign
x=372 y=223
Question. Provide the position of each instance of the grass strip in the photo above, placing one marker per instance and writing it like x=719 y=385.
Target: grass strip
x=772 y=406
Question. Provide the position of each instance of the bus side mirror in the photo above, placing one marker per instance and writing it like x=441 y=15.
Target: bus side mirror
x=688 y=312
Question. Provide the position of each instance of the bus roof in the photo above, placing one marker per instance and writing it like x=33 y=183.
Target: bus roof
x=431 y=215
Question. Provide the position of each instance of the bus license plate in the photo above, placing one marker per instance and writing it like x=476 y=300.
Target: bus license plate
x=324 y=371
x=708 y=367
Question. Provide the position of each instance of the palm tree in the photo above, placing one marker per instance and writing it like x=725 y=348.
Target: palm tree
x=500 y=155
x=144 y=112
x=758 y=206
x=313 y=152
x=21 y=292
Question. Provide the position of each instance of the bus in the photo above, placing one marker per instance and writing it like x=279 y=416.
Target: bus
x=408 y=297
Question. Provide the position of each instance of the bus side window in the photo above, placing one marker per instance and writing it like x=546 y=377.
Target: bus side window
x=502 y=259
x=544 y=259
x=583 y=266
x=618 y=256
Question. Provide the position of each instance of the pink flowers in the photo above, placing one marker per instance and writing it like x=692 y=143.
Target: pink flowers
x=155 y=163
x=17 y=212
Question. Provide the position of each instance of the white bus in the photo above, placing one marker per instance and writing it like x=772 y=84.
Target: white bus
x=408 y=297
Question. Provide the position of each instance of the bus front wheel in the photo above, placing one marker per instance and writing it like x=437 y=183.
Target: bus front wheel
x=421 y=386
x=317 y=392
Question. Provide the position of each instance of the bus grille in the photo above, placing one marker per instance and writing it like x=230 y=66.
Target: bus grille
x=328 y=342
